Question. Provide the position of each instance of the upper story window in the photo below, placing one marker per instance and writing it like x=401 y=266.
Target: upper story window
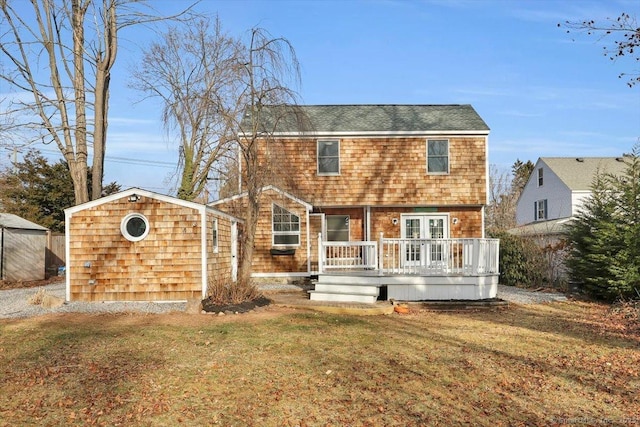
x=338 y=228
x=438 y=156
x=540 y=177
x=540 y=211
x=329 y=157
x=286 y=227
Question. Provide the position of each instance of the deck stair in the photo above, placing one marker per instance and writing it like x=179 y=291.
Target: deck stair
x=345 y=288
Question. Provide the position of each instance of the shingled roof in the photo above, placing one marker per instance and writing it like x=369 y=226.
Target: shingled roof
x=578 y=173
x=8 y=220
x=374 y=119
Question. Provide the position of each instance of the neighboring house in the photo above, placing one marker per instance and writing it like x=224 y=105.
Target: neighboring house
x=141 y=246
x=23 y=247
x=557 y=189
x=393 y=192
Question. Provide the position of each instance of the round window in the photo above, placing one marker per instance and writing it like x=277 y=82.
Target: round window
x=134 y=227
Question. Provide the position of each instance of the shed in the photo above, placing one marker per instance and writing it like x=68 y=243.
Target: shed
x=137 y=245
x=22 y=249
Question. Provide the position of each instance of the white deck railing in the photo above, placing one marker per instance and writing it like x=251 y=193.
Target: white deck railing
x=348 y=255
x=467 y=257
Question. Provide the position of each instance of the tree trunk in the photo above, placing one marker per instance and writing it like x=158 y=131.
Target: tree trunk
x=78 y=171
x=248 y=239
x=78 y=165
x=104 y=62
x=100 y=133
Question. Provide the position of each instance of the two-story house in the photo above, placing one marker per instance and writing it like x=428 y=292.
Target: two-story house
x=375 y=188
x=556 y=191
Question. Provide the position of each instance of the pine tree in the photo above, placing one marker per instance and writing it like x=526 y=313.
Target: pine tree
x=39 y=191
x=605 y=236
x=625 y=266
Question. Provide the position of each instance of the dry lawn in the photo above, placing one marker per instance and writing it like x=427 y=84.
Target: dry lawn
x=557 y=364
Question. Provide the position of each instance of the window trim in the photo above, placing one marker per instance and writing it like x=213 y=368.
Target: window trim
x=540 y=177
x=318 y=172
x=275 y=233
x=214 y=235
x=448 y=157
x=125 y=233
x=536 y=210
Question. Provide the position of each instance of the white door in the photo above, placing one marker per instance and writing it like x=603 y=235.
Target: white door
x=421 y=228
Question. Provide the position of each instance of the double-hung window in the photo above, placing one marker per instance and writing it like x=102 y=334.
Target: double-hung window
x=328 y=157
x=438 y=156
x=540 y=177
x=286 y=227
x=540 y=210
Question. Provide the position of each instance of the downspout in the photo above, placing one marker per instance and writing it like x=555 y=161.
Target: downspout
x=204 y=255
x=308 y=243
x=367 y=223
x=486 y=179
x=239 y=170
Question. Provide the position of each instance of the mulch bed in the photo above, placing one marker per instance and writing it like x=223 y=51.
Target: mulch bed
x=243 y=307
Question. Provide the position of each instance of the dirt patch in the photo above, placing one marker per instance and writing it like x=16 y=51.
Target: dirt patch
x=6 y=284
x=243 y=307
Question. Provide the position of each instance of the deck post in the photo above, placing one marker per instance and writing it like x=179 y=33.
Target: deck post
x=475 y=263
x=320 y=253
x=381 y=255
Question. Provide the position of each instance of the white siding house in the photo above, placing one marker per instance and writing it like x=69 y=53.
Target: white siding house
x=558 y=186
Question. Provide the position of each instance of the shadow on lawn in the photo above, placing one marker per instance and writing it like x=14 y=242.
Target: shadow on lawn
x=535 y=368
x=579 y=320
x=92 y=373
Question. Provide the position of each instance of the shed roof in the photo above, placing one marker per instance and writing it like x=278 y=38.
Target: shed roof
x=140 y=192
x=264 y=189
x=542 y=228
x=372 y=119
x=8 y=220
x=578 y=172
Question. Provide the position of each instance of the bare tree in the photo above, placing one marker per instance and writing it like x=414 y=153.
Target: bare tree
x=504 y=190
x=78 y=74
x=194 y=70
x=626 y=33
x=270 y=73
x=222 y=93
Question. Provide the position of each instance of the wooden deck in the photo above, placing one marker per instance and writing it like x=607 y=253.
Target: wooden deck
x=408 y=270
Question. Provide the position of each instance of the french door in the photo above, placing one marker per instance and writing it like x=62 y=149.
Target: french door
x=423 y=228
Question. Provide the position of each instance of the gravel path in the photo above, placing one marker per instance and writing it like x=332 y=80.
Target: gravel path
x=524 y=296
x=14 y=303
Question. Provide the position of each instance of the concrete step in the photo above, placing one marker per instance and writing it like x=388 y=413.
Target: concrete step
x=342 y=297
x=348 y=279
x=346 y=288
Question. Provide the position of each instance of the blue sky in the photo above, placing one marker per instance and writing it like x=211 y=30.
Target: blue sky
x=541 y=91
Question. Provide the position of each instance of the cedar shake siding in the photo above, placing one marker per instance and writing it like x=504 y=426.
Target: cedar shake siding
x=383 y=171
x=219 y=262
x=267 y=256
x=166 y=265
x=370 y=163
x=468 y=224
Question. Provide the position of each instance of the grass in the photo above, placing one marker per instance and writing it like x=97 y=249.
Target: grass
x=562 y=363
